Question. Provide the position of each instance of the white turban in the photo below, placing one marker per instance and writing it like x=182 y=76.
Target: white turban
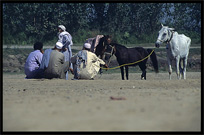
x=62 y=27
x=59 y=45
x=87 y=45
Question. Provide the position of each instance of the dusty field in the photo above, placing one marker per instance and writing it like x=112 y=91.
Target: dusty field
x=156 y=104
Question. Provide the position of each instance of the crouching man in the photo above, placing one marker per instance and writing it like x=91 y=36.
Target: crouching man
x=86 y=64
x=57 y=66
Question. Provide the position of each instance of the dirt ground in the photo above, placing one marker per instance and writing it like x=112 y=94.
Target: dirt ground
x=104 y=104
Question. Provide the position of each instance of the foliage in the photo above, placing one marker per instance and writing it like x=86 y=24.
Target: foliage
x=128 y=23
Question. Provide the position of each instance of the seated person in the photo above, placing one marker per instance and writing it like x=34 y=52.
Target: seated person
x=44 y=62
x=33 y=61
x=86 y=64
x=57 y=67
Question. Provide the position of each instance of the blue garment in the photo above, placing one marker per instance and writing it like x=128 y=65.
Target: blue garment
x=44 y=62
x=81 y=58
x=78 y=59
x=32 y=64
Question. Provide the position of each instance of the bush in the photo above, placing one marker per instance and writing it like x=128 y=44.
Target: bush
x=21 y=38
x=195 y=37
x=81 y=35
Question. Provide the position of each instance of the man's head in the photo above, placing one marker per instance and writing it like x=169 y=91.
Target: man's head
x=38 y=46
x=61 y=28
x=58 y=45
x=87 y=46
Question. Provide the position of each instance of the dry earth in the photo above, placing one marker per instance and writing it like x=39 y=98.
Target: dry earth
x=156 y=104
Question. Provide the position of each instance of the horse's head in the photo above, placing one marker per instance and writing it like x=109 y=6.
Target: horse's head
x=164 y=36
x=109 y=52
x=107 y=40
x=104 y=42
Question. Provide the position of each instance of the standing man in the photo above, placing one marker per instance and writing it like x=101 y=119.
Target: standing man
x=57 y=66
x=86 y=64
x=33 y=61
x=66 y=39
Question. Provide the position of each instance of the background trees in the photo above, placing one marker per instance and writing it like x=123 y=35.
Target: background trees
x=25 y=23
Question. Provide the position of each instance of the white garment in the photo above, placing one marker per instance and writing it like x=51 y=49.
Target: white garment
x=92 y=66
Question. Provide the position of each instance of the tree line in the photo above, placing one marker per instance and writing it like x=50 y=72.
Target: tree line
x=25 y=23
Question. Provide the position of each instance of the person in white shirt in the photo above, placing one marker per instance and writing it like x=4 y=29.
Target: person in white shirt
x=86 y=64
x=66 y=39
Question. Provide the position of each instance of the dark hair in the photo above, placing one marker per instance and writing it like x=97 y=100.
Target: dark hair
x=38 y=46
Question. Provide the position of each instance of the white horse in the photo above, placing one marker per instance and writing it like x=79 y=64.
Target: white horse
x=177 y=48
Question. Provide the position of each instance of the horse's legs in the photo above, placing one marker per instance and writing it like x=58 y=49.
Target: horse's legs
x=144 y=73
x=170 y=68
x=102 y=57
x=126 y=70
x=184 y=67
x=143 y=68
x=100 y=71
x=181 y=67
x=177 y=67
x=122 y=72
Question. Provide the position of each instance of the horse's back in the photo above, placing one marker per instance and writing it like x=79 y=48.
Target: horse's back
x=135 y=50
x=182 y=42
x=136 y=53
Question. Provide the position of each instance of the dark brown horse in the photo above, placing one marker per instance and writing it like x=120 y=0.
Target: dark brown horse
x=102 y=45
x=126 y=56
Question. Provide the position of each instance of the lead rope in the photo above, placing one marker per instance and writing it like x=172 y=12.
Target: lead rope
x=129 y=63
x=110 y=57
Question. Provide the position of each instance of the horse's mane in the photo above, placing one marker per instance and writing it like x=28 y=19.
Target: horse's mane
x=118 y=45
x=101 y=40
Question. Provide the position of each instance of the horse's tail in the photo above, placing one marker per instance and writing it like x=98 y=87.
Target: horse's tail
x=154 y=60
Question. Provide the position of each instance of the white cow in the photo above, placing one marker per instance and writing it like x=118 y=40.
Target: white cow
x=177 y=48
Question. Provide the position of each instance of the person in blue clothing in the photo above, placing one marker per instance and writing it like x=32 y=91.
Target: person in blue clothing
x=33 y=61
x=44 y=63
x=66 y=39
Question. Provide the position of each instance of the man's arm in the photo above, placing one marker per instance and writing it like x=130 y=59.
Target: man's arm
x=98 y=59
